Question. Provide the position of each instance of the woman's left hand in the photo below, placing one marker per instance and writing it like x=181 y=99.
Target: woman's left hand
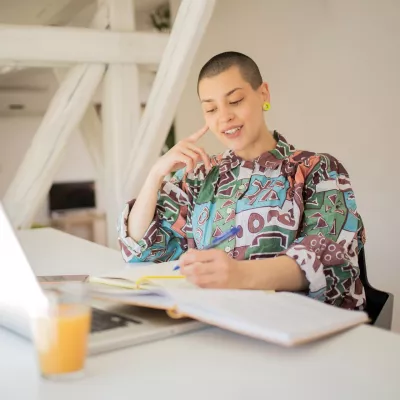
x=211 y=269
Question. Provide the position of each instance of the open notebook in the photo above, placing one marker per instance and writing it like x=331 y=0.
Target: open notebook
x=140 y=279
x=284 y=318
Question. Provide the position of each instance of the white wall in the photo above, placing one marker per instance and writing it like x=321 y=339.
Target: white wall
x=15 y=137
x=333 y=70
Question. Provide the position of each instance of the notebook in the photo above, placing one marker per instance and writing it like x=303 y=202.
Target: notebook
x=140 y=279
x=283 y=318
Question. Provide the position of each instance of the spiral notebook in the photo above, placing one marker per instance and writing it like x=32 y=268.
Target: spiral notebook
x=283 y=318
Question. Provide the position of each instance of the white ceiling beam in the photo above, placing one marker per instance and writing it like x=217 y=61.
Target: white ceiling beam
x=99 y=21
x=61 y=45
x=7 y=66
x=189 y=27
x=36 y=172
x=121 y=115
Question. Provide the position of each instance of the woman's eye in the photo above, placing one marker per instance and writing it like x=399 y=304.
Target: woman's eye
x=210 y=111
x=235 y=103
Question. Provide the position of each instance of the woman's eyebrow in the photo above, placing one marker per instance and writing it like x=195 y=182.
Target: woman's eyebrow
x=226 y=95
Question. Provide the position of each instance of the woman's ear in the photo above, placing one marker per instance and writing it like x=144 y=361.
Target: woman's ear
x=264 y=92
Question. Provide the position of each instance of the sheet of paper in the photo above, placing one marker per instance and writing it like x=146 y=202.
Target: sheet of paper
x=168 y=284
x=151 y=300
x=99 y=289
x=135 y=271
x=285 y=318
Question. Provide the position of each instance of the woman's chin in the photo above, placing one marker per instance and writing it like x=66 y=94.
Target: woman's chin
x=236 y=147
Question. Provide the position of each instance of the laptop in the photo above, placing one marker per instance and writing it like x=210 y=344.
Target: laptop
x=113 y=326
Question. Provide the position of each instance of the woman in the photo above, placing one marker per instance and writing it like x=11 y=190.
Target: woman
x=299 y=226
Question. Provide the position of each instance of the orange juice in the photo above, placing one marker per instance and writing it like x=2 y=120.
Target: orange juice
x=66 y=351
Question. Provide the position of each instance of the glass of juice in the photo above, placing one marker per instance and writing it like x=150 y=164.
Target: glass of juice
x=61 y=331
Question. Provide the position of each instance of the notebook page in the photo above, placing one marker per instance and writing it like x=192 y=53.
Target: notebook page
x=151 y=300
x=284 y=318
x=134 y=271
x=168 y=284
x=150 y=279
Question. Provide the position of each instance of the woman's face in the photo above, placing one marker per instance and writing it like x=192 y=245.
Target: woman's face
x=233 y=109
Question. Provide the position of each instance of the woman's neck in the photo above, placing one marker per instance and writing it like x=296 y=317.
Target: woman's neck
x=265 y=142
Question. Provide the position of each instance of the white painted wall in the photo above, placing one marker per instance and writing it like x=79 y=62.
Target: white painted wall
x=333 y=70
x=15 y=137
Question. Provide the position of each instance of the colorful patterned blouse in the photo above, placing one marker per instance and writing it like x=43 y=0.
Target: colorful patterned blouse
x=286 y=202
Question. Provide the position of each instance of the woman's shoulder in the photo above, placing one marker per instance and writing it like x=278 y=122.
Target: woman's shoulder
x=292 y=156
x=310 y=160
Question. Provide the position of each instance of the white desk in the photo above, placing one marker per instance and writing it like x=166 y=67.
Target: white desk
x=363 y=363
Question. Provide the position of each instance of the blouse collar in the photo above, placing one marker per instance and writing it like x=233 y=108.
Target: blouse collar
x=270 y=159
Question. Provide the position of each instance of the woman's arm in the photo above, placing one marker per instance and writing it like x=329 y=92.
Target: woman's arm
x=183 y=154
x=149 y=227
x=280 y=273
x=142 y=212
x=331 y=234
x=215 y=269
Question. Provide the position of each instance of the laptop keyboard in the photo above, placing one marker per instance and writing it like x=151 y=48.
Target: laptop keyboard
x=105 y=320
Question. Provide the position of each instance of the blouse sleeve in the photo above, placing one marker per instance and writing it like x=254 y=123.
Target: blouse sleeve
x=166 y=236
x=331 y=234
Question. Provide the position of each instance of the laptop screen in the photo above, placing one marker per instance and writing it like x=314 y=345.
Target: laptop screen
x=20 y=293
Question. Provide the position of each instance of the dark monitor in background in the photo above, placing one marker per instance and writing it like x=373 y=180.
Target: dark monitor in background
x=72 y=195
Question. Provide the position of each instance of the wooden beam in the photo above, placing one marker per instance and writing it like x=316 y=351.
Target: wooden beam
x=99 y=21
x=188 y=30
x=34 y=176
x=46 y=44
x=121 y=115
x=7 y=66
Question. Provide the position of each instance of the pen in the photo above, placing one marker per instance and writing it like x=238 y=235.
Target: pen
x=219 y=239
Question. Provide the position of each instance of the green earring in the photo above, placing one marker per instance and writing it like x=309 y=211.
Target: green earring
x=266 y=106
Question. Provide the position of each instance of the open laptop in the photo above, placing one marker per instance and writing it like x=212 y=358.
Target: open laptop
x=113 y=326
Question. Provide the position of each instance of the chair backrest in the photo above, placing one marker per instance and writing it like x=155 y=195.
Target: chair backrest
x=376 y=299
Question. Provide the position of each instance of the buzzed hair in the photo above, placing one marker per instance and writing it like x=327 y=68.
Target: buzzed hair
x=223 y=61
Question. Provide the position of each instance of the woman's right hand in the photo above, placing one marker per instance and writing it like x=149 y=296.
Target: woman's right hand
x=184 y=154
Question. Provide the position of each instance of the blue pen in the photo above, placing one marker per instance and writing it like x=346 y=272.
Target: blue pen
x=220 y=239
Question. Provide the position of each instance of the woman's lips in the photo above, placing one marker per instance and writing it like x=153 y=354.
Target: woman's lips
x=235 y=134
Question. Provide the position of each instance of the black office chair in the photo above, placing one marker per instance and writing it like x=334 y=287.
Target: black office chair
x=379 y=304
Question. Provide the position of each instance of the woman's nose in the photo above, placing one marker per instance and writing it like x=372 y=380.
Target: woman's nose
x=225 y=115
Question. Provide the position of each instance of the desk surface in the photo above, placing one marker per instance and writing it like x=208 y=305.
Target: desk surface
x=362 y=363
